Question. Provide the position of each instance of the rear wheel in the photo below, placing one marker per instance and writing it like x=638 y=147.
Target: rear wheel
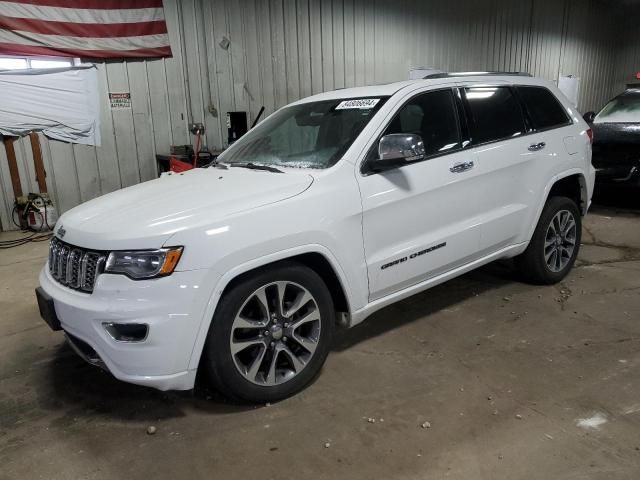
x=555 y=243
x=271 y=334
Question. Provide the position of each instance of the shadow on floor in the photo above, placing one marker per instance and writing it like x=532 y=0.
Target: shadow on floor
x=621 y=199
x=428 y=302
x=78 y=389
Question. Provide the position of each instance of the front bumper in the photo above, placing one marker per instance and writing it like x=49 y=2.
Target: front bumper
x=172 y=307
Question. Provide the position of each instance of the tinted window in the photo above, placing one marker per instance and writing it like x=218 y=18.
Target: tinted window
x=543 y=107
x=431 y=115
x=495 y=114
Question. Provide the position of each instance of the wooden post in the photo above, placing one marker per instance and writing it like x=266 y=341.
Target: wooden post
x=41 y=174
x=13 y=166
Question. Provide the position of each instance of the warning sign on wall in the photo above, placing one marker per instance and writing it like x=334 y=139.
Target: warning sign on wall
x=120 y=100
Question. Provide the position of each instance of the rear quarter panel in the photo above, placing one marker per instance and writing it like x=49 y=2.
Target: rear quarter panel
x=568 y=153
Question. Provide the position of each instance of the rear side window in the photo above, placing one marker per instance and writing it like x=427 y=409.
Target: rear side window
x=543 y=107
x=431 y=115
x=495 y=114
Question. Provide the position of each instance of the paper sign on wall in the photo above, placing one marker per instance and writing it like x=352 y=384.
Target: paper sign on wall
x=120 y=100
x=569 y=85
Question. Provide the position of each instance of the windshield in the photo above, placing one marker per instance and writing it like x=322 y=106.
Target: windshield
x=623 y=109
x=309 y=135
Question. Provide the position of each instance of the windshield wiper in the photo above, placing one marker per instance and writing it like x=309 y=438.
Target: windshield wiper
x=254 y=166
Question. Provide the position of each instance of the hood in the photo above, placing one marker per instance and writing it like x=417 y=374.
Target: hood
x=146 y=215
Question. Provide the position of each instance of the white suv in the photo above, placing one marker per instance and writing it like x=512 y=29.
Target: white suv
x=332 y=208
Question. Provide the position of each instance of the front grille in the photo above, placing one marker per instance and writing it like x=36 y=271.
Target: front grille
x=75 y=267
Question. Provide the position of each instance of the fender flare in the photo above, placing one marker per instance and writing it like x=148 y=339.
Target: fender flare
x=547 y=189
x=227 y=277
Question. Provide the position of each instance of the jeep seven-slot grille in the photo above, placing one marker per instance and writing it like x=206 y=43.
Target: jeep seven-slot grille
x=75 y=267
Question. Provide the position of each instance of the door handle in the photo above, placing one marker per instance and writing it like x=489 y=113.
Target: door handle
x=461 y=167
x=534 y=147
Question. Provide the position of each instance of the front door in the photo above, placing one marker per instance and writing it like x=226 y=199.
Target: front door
x=422 y=218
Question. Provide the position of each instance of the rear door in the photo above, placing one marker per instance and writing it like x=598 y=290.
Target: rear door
x=500 y=141
x=553 y=136
x=421 y=219
x=552 y=127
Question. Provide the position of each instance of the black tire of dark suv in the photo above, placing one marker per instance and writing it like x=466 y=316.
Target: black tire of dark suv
x=549 y=258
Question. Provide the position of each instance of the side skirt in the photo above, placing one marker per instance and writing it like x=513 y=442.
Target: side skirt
x=360 y=315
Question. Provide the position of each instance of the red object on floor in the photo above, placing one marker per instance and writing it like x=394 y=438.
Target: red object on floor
x=178 y=166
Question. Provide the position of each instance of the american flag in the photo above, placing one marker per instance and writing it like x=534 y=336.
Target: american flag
x=84 y=28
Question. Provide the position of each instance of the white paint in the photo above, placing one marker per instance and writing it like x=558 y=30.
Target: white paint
x=592 y=423
x=153 y=211
x=233 y=220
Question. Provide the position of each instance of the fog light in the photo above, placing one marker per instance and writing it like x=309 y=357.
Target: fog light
x=127 y=332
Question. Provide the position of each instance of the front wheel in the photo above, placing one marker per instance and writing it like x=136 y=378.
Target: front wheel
x=271 y=334
x=555 y=243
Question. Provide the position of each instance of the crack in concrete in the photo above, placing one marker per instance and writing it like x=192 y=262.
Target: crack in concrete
x=628 y=253
x=609 y=291
x=585 y=263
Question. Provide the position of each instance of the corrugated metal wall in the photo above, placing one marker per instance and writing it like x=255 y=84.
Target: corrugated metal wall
x=282 y=50
x=628 y=59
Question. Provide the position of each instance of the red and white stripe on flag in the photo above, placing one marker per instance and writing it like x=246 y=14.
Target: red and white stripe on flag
x=84 y=28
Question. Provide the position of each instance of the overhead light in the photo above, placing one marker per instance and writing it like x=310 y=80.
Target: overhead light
x=482 y=92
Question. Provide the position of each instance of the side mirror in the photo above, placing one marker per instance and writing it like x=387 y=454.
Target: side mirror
x=400 y=147
x=589 y=117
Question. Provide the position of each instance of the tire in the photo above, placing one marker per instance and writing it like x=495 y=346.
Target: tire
x=249 y=330
x=538 y=264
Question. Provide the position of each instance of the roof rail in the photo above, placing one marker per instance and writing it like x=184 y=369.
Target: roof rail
x=474 y=74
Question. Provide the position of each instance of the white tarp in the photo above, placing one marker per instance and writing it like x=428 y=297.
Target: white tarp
x=62 y=103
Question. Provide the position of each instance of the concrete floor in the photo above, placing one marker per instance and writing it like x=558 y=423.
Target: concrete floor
x=516 y=382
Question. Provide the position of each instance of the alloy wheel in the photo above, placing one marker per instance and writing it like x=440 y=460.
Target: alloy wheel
x=560 y=240
x=275 y=333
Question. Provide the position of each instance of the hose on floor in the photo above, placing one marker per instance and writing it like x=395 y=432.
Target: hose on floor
x=32 y=234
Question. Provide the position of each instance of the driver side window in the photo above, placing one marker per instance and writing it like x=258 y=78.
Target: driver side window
x=431 y=115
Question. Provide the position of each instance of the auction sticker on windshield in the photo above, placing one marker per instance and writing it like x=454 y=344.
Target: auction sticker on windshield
x=362 y=103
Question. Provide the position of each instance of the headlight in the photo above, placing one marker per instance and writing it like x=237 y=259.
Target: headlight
x=138 y=264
